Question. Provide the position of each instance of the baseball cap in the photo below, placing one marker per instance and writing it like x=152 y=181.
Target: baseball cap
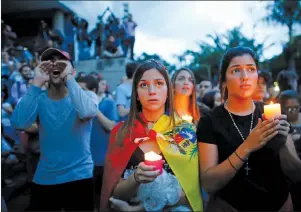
x=47 y=54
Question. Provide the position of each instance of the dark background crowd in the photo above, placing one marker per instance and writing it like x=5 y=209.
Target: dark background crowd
x=112 y=38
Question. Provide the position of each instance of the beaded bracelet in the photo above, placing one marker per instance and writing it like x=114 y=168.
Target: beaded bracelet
x=239 y=157
x=232 y=164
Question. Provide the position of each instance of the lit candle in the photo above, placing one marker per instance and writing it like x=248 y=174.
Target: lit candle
x=187 y=118
x=153 y=159
x=271 y=111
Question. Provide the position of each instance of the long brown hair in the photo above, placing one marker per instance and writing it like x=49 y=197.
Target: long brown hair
x=193 y=102
x=136 y=106
x=225 y=62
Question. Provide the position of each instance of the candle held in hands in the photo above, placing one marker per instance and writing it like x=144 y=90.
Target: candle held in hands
x=153 y=159
x=271 y=111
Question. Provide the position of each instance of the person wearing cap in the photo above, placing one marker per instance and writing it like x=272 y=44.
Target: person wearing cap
x=64 y=112
x=264 y=79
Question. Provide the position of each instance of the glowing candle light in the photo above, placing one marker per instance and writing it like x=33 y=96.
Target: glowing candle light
x=272 y=110
x=187 y=118
x=153 y=159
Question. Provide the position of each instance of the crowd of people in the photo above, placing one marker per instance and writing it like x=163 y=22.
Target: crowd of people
x=116 y=38
x=111 y=39
x=85 y=147
x=120 y=37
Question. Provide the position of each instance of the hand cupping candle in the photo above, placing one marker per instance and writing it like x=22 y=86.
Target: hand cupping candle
x=153 y=159
x=272 y=110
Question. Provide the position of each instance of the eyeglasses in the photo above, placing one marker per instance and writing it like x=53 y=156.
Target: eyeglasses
x=292 y=109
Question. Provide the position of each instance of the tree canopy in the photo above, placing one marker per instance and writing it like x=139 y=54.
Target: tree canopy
x=145 y=56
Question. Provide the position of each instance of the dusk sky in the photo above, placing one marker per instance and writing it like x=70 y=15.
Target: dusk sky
x=169 y=28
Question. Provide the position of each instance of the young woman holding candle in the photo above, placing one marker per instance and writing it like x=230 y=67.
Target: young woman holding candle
x=184 y=86
x=149 y=129
x=244 y=162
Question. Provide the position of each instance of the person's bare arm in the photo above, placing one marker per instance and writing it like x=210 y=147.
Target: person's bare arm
x=126 y=189
x=121 y=205
x=7 y=107
x=106 y=123
x=290 y=162
x=122 y=111
x=33 y=129
x=215 y=176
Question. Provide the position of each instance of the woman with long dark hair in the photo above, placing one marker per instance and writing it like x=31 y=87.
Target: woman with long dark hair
x=184 y=86
x=149 y=129
x=244 y=159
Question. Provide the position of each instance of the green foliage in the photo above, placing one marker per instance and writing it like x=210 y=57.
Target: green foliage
x=284 y=12
x=144 y=56
x=207 y=59
x=279 y=62
x=194 y=152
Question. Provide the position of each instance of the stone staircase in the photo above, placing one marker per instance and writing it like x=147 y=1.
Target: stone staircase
x=111 y=69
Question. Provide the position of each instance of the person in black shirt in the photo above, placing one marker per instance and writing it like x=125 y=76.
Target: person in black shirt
x=245 y=161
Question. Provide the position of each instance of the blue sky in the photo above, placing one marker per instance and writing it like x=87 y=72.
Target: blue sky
x=169 y=28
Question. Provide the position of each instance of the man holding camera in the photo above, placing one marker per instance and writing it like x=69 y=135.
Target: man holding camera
x=63 y=179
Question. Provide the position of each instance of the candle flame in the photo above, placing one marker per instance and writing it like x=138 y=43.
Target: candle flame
x=271 y=102
x=152 y=156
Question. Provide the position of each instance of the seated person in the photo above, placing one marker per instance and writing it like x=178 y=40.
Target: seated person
x=112 y=49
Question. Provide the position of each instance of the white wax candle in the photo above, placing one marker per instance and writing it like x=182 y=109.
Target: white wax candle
x=152 y=156
x=187 y=118
x=272 y=110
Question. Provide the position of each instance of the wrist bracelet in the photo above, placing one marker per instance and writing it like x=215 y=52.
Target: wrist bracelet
x=232 y=165
x=239 y=157
x=137 y=181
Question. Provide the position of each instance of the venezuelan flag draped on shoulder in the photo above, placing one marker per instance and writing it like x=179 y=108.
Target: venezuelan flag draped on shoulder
x=177 y=143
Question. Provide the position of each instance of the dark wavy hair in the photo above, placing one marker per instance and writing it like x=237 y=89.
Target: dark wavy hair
x=226 y=60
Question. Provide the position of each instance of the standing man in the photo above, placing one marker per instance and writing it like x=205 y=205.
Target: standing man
x=64 y=112
x=130 y=28
x=124 y=92
x=204 y=87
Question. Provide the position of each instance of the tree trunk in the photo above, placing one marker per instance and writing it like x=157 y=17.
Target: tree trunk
x=291 y=60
